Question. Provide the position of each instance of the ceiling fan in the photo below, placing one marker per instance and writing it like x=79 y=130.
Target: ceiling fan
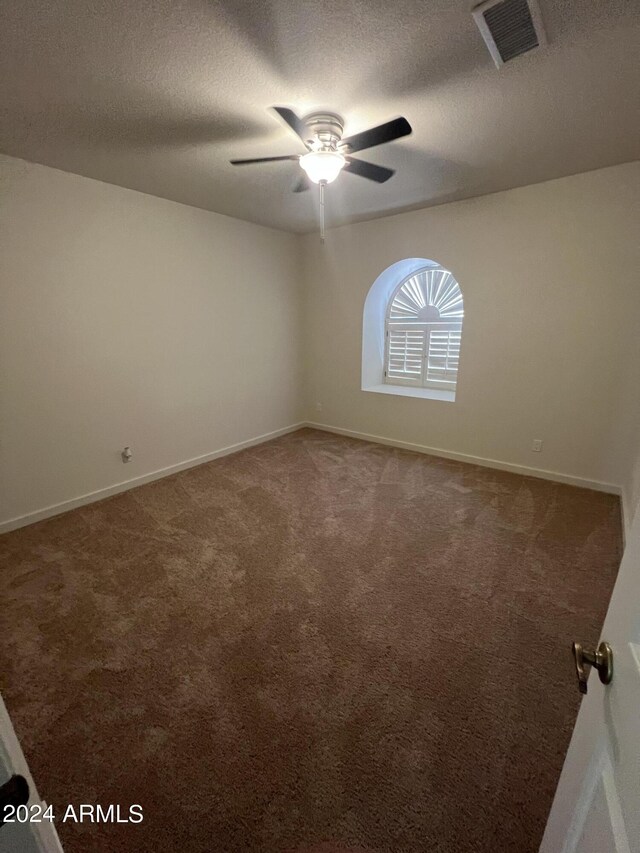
x=328 y=153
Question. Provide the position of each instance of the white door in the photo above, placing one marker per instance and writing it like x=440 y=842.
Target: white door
x=25 y=830
x=597 y=805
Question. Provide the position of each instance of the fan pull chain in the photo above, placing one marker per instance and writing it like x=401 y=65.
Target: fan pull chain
x=322 y=185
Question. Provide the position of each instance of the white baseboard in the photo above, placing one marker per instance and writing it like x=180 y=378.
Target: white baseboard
x=99 y=494
x=569 y=479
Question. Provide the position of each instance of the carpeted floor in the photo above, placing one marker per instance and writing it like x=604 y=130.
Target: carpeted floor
x=317 y=644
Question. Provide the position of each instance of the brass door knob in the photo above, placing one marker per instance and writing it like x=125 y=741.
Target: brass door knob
x=601 y=659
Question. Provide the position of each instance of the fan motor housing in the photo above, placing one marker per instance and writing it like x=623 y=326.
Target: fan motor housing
x=324 y=129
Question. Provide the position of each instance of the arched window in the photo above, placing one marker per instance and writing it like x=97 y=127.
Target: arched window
x=423 y=330
x=411 y=331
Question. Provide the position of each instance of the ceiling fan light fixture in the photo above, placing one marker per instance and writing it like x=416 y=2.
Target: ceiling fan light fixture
x=323 y=166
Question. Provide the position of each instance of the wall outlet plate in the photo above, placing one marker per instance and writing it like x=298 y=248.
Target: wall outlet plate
x=537 y=445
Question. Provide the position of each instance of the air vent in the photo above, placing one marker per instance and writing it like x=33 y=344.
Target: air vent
x=509 y=28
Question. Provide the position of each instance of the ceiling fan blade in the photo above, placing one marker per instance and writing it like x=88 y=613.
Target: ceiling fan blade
x=379 y=174
x=264 y=160
x=394 y=129
x=303 y=183
x=295 y=123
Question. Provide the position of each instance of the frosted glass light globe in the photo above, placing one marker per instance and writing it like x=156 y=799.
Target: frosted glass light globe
x=322 y=165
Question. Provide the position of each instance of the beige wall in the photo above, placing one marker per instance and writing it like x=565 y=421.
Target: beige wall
x=552 y=302
x=131 y=320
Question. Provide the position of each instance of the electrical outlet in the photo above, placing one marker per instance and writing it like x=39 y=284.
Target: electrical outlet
x=318 y=407
x=537 y=445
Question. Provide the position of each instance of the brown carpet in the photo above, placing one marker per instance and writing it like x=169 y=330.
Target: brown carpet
x=317 y=644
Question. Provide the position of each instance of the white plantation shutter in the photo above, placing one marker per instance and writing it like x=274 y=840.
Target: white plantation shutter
x=443 y=355
x=424 y=331
x=405 y=355
x=426 y=294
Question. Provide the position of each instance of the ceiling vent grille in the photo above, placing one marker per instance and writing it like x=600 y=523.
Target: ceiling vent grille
x=509 y=28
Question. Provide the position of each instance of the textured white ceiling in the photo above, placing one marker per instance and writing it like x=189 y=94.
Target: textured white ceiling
x=158 y=95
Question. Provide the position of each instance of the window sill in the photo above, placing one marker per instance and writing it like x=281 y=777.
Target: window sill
x=408 y=391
